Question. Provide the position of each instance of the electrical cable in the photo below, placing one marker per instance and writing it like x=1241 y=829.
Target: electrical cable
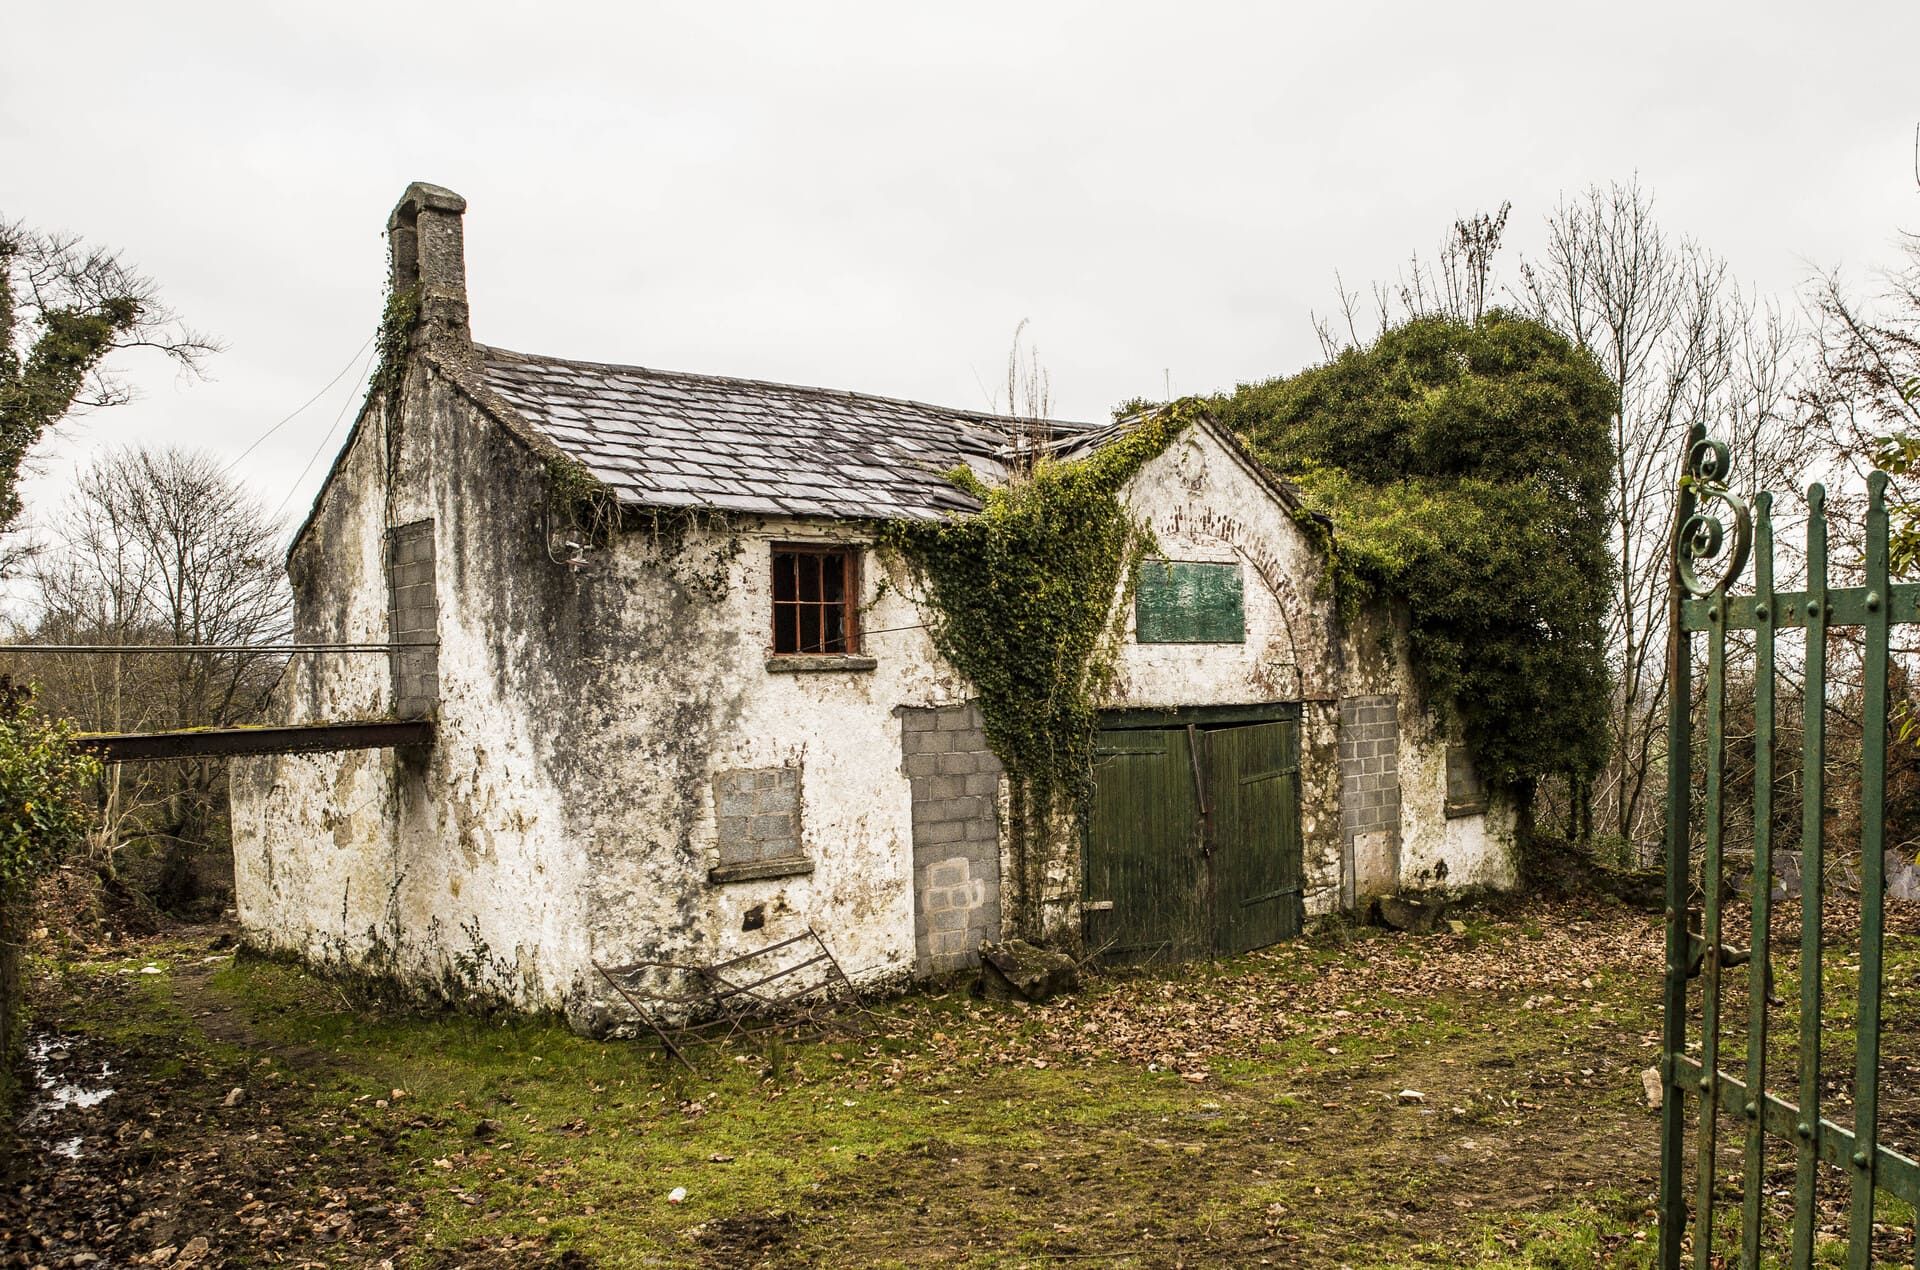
x=315 y=457
x=257 y=441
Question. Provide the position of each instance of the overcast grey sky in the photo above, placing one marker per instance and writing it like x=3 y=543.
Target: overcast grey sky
x=871 y=196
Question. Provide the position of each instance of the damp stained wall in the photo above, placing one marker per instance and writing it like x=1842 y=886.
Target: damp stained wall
x=568 y=811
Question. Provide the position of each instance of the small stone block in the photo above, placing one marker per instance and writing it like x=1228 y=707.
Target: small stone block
x=951 y=873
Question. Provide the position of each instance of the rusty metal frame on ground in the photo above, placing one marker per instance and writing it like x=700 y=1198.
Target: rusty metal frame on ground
x=753 y=992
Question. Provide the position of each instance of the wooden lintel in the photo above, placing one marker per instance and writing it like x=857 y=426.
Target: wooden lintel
x=149 y=747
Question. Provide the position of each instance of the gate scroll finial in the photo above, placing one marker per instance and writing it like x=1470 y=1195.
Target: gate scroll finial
x=1702 y=537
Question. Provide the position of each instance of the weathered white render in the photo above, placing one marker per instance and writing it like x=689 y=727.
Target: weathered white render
x=623 y=767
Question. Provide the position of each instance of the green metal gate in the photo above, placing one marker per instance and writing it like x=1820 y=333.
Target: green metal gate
x=1708 y=561
x=1193 y=840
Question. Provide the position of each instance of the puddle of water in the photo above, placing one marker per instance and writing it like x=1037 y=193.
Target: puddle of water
x=58 y=1089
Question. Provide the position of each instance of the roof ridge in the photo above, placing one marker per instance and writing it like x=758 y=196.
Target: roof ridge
x=981 y=416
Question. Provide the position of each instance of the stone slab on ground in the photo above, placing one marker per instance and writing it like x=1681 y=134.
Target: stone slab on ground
x=1413 y=914
x=1016 y=969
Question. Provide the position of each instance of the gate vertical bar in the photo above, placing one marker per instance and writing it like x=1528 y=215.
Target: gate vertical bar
x=1763 y=618
x=1813 y=870
x=1673 y=1025
x=1873 y=877
x=1716 y=762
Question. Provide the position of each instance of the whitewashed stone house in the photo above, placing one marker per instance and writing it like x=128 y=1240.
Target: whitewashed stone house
x=721 y=719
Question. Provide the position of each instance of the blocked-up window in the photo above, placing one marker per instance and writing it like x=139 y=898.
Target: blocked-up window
x=815 y=600
x=757 y=811
x=413 y=615
x=1466 y=792
x=1189 y=602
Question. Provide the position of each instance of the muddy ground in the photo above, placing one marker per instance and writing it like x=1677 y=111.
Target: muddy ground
x=1365 y=1098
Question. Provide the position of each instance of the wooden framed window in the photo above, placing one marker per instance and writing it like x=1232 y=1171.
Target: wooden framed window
x=816 y=607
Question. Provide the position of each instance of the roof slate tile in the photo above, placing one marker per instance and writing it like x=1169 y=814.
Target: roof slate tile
x=664 y=439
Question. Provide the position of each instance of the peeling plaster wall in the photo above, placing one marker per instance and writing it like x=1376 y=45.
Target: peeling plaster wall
x=1204 y=501
x=567 y=813
x=670 y=723
x=451 y=870
x=314 y=834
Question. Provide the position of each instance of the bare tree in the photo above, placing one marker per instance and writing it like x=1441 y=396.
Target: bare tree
x=64 y=308
x=1029 y=400
x=157 y=546
x=1681 y=342
x=1866 y=394
x=1456 y=285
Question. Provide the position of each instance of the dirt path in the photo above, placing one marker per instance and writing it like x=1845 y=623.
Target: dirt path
x=172 y=1166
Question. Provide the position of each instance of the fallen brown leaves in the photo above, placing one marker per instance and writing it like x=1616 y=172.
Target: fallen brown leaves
x=1185 y=1021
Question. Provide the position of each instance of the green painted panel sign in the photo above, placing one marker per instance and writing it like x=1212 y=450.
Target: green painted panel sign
x=1189 y=602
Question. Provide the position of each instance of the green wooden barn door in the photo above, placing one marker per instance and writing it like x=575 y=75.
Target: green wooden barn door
x=1193 y=851
x=1143 y=879
x=1255 y=784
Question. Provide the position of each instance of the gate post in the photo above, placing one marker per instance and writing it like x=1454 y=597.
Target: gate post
x=1673 y=1033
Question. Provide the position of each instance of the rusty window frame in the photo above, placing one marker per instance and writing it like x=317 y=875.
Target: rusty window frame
x=788 y=625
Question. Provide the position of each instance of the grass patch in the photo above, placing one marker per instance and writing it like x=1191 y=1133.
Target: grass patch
x=1470 y=1099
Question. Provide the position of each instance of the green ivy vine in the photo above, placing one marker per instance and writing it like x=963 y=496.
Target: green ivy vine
x=1021 y=601
x=394 y=342
x=581 y=499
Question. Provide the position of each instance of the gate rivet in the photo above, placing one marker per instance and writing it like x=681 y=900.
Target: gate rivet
x=1813 y=608
x=1804 y=1129
x=1760 y=611
x=1860 y=1159
x=1706 y=1084
x=1873 y=601
x=1753 y=1109
x=1713 y=614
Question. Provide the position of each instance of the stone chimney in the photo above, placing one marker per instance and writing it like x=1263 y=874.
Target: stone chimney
x=428 y=252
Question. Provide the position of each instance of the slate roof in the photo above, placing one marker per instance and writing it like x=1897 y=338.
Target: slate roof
x=666 y=439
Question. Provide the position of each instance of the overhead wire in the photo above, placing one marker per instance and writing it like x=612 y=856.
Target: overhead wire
x=261 y=439
x=319 y=449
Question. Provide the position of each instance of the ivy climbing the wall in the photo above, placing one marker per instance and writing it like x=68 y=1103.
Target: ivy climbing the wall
x=395 y=340
x=1466 y=468
x=1021 y=601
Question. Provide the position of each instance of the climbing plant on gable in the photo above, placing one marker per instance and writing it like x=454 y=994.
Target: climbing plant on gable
x=1021 y=598
x=1466 y=469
